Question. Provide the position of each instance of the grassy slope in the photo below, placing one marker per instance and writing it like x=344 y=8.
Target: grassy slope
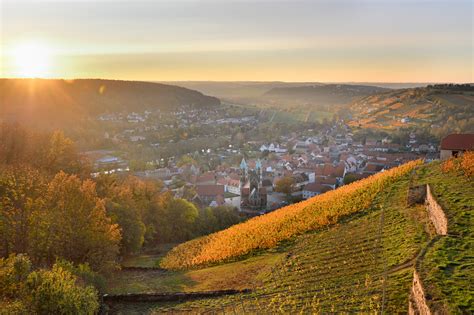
x=343 y=268
x=236 y=275
x=448 y=267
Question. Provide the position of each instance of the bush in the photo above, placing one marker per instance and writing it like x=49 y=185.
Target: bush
x=55 y=291
x=464 y=164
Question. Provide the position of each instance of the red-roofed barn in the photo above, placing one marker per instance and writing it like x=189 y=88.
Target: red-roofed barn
x=455 y=144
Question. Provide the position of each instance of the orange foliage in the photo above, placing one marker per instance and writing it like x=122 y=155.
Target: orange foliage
x=449 y=165
x=465 y=163
x=266 y=231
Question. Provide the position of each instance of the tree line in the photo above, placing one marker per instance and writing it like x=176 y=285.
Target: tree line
x=51 y=211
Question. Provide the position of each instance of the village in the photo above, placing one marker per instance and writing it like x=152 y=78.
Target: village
x=256 y=176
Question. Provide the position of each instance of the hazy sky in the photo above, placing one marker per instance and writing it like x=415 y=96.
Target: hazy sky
x=377 y=40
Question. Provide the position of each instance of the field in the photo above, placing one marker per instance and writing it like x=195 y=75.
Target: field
x=361 y=263
x=237 y=275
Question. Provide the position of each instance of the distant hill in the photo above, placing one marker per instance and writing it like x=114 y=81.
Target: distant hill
x=321 y=95
x=441 y=108
x=303 y=97
x=59 y=102
x=239 y=90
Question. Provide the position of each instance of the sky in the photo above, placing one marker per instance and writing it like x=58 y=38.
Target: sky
x=239 y=40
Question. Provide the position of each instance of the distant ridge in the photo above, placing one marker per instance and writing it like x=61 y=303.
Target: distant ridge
x=55 y=101
x=330 y=94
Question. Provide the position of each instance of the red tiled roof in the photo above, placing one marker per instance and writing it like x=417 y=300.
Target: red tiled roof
x=329 y=170
x=316 y=187
x=328 y=181
x=207 y=177
x=210 y=190
x=458 y=142
x=373 y=167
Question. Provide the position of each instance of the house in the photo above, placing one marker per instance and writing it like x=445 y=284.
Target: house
x=208 y=178
x=372 y=167
x=209 y=193
x=313 y=189
x=230 y=185
x=330 y=182
x=455 y=145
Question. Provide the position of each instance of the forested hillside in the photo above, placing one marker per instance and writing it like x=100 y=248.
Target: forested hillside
x=59 y=102
x=62 y=232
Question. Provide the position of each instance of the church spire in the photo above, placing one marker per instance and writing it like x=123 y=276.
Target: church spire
x=243 y=164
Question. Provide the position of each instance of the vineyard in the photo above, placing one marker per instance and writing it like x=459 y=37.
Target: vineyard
x=363 y=263
x=350 y=267
x=267 y=231
x=448 y=266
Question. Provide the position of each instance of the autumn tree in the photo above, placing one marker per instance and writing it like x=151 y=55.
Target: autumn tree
x=20 y=189
x=130 y=204
x=173 y=219
x=285 y=185
x=72 y=224
x=214 y=219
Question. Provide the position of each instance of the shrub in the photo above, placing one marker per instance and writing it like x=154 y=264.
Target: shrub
x=467 y=163
x=464 y=164
x=55 y=291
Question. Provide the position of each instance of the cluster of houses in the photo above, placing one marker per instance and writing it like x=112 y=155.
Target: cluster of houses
x=315 y=163
x=140 y=124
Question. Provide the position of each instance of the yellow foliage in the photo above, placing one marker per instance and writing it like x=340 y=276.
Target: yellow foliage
x=465 y=163
x=266 y=231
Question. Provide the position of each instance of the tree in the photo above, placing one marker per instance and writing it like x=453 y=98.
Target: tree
x=182 y=214
x=285 y=185
x=72 y=224
x=173 y=219
x=186 y=160
x=225 y=216
x=132 y=227
x=349 y=178
x=20 y=188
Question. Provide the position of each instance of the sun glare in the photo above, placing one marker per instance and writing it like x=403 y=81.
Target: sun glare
x=32 y=60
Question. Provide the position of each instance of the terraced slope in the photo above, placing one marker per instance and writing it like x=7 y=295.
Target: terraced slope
x=365 y=262
x=448 y=266
x=268 y=230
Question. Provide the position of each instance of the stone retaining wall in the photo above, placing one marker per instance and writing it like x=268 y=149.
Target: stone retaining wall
x=436 y=213
x=167 y=297
x=417 y=303
x=123 y=268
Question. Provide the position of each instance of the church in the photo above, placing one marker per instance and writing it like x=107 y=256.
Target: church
x=253 y=196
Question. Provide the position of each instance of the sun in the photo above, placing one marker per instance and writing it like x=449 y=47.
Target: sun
x=32 y=60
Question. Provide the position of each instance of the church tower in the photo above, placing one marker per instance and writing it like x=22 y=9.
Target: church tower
x=258 y=169
x=243 y=172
